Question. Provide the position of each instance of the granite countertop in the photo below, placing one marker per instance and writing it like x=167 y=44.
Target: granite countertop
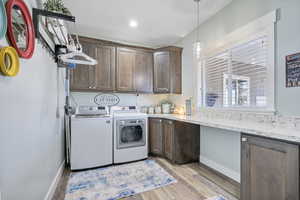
x=257 y=129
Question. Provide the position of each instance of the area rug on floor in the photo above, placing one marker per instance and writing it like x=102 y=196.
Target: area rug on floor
x=216 y=198
x=116 y=182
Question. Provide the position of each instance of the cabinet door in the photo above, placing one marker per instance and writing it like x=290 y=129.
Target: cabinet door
x=156 y=136
x=125 y=70
x=168 y=131
x=105 y=70
x=186 y=142
x=176 y=71
x=270 y=169
x=92 y=69
x=83 y=76
x=162 y=72
x=144 y=71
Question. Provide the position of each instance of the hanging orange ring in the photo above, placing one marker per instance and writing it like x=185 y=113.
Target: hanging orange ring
x=9 y=61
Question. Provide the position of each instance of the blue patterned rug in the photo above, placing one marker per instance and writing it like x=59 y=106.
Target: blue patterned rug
x=117 y=182
x=216 y=198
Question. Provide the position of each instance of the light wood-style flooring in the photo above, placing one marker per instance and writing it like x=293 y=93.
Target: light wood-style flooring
x=195 y=182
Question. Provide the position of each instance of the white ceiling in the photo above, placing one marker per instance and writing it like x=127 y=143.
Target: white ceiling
x=161 y=22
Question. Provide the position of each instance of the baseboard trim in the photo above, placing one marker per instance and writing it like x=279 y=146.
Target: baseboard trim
x=220 y=168
x=55 y=182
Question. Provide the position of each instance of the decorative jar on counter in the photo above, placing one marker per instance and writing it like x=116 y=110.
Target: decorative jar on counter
x=158 y=110
x=166 y=108
x=151 y=110
x=144 y=109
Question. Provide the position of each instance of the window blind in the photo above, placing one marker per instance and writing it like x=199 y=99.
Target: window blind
x=237 y=77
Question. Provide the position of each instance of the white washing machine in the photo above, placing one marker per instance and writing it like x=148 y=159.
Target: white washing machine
x=130 y=135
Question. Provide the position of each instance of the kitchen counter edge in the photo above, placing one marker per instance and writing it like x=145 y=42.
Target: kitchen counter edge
x=257 y=129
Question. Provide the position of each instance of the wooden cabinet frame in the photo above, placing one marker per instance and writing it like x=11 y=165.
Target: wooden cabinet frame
x=138 y=64
x=156 y=141
x=100 y=77
x=125 y=62
x=168 y=70
x=271 y=167
x=138 y=60
x=177 y=141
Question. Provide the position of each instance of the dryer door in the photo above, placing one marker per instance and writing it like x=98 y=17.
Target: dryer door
x=131 y=133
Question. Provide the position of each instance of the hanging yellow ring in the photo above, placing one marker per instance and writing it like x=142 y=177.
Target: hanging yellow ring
x=12 y=67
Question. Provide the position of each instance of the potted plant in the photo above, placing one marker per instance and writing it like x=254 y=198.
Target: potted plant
x=56 y=6
x=57 y=27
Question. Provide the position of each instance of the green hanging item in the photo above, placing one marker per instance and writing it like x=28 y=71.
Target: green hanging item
x=56 y=6
x=3 y=20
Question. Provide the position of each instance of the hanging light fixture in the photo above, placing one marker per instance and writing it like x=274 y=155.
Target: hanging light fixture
x=197 y=44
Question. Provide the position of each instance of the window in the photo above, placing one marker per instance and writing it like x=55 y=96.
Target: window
x=237 y=77
x=236 y=90
x=240 y=75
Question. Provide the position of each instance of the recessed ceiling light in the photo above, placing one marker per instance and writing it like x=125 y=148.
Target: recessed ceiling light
x=133 y=23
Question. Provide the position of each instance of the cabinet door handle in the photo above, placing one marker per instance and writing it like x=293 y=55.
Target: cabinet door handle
x=244 y=139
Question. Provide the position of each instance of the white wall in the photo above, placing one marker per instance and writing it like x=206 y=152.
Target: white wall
x=125 y=99
x=220 y=149
x=233 y=16
x=31 y=135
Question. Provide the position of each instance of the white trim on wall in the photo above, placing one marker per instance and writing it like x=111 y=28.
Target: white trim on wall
x=220 y=168
x=55 y=182
x=250 y=31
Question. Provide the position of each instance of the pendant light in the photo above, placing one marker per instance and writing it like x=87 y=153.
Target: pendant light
x=197 y=44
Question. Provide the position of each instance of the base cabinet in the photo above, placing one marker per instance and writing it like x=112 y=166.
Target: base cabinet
x=177 y=141
x=156 y=137
x=269 y=170
x=169 y=134
x=186 y=142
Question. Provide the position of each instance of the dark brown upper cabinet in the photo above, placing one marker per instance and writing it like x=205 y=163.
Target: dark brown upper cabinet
x=81 y=76
x=125 y=70
x=128 y=69
x=162 y=72
x=105 y=70
x=100 y=77
x=134 y=70
x=269 y=170
x=144 y=71
x=168 y=70
x=176 y=70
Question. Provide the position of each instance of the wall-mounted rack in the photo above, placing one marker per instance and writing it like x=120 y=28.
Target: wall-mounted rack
x=48 y=39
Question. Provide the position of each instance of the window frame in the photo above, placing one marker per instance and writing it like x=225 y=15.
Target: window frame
x=264 y=26
x=230 y=78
